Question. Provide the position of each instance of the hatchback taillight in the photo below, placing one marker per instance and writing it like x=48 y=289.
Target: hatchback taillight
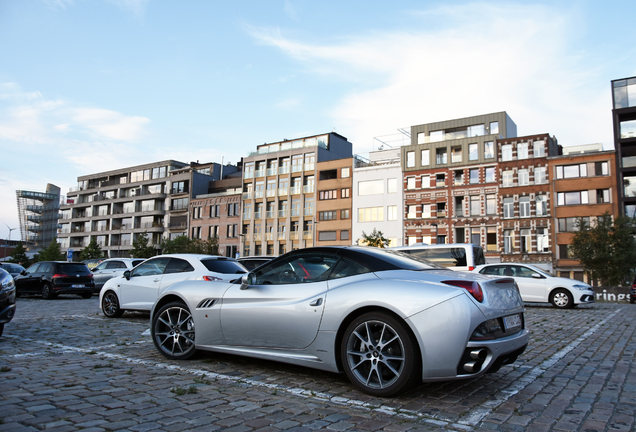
x=211 y=278
x=59 y=275
x=471 y=286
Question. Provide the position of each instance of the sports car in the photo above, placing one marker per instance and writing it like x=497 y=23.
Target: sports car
x=386 y=319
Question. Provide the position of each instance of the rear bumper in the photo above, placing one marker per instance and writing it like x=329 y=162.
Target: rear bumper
x=68 y=289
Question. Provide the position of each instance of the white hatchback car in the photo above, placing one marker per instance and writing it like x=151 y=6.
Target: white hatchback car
x=111 y=268
x=138 y=288
x=536 y=285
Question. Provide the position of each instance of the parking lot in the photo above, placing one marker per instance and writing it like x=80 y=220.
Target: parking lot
x=65 y=367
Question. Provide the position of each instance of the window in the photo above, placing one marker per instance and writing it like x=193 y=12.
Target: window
x=602 y=196
x=426 y=181
x=410 y=159
x=629 y=186
x=475 y=236
x=601 y=168
x=328 y=194
x=344 y=214
x=538 y=149
x=524 y=177
x=474 y=176
x=441 y=210
x=541 y=205
x=436 y=136
x=494 y=128
x=491 y=239
x=571 y=224
x=440 y=180
x=508 y=207
x=459 y=177
x=522 y=151
x=572 y=198
x=425 y=156
x=328 y=215
x=475 y=205
x=426 y=211
x=540 y=176
x=345 y=172
x=524 y=207
x=309 y=206
x=506 y=152
x=507 y=178
x=565 y=251
x=628 y=129
x=371 y=187
x=391 y=213
x=489 y=150
x=391 y=185
x=473 y=152
x=542 y=240
x=327 y=235
x=571 y=171
x=509 y=241
x=345 y=193
x=441 y=239
x=456 y=154
x=491 y=204
x=476 y=130
x=344 y=235
x=490 y=174
x=371 y=214
x=441 y=156
x=410 y=182
x=412 y=212
x=459 y=206
x=525 y=241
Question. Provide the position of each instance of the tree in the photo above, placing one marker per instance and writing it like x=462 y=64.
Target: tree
x=52 y=252
x=19 y=256
x=607 y=250
x=141 y=249
x=181 y=244
x=210 y=246
x=91 y=251
x=376 y=238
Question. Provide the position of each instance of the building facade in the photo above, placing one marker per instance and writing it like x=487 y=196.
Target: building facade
x=334 y=204
x=38 y=214
x=624 y=122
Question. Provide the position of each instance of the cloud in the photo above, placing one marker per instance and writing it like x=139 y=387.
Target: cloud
x=484 y=58
x=136 y=7
x=288 y=103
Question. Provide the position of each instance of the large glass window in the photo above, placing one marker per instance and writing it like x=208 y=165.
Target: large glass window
x=538 y=148
x=571 y=171
x=572 y=198
x=426 y=158
x=371 y=214
x=525 y=241
x=475 y=205
x=541 y=205
x=459 y=206
x=542 y=240
x=490 y=174
x=506 y=178
x=392 y=213
x=506 y=152
x=410 y=183
x=473 y=152
x=411 y=212
x=509 y=241
x=410 y=159
x=426 y=211
x=371 y=187
x=426 y=181
x=456 y=154
x=391 y=185
x=628 y=129
x=489 y=150
x=491 y=239
x=624 y=93
x=508 y=207
x=494 y=127
x=540 y=176
x=474 y=176
x=459 y=177
x=491 y=204
x=629 y=186
x=522 y=151
x=524 y=207
x=441 y=156
x=524 y=177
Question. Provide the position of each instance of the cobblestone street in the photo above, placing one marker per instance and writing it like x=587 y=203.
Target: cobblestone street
x=65 y=367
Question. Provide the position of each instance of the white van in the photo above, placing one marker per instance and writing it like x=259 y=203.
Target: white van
x=455 y=256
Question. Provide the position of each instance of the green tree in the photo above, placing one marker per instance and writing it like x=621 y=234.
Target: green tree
x=376 y=238
x=91 y=251
x=141 y=249
x=52 y=252
x=181 y=244
x=19 y=256
x=607 y=250
x=210 y=246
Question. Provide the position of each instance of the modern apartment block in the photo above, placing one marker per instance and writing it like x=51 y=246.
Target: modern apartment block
x=624 y=118
x=115 y=207
x=279 y=192
x=583 y=186
x=451 y=181
x=334 y=205
x=38 y=214
x=378 y=200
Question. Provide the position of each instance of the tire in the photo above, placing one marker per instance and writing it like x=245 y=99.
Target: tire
x=172 y=330
x=47 y=294
x=386 y=364
x=110 y=305
x=562 y=299
x=1 y=329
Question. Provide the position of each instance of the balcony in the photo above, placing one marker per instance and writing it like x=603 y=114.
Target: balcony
x=272 y=171
x=295 y=190
x=297 y=168
x=269 y=236
x=307 y=235
x=258 y=194
x=310 y=166
x=281 y=236
x=308 y=189
x=282 y=213
x=294 y=235
x=248 y=174
x=309 y=211
x=259 y=173
x=283 y=191
x=283 y=170
x=270 y=193
x=247 y=195
x=271 y=214
x=295 y=212
x=258 y=215
x=247 y=216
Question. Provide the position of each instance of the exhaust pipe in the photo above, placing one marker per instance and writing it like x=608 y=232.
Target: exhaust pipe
x=473 y=366
x=479 y=354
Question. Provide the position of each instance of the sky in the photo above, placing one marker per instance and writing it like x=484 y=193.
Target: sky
x=88 y=86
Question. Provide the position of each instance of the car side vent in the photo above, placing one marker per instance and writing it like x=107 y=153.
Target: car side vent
x=206 y=303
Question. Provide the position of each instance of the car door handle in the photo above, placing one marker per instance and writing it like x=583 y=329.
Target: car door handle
x=316 y=302
x=156 y=280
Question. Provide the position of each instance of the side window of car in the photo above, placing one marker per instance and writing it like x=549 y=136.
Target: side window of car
x=346 y=267
x=151 y=267
x=101 y=266
x=177 y=265
x=297 y=269
x=46 y=268
x=524 y=272
x=34 y=268
x=492 y=270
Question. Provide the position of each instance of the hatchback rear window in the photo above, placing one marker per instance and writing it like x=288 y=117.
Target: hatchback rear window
x=223 y=266
x=72 y=268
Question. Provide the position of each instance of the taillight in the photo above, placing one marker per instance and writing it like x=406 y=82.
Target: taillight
x=472 y=287
x=59 y=275
x=211 y=278
x=471 y=268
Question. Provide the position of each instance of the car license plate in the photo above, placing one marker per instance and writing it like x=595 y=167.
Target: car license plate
x=77 y=286
x=512 y=321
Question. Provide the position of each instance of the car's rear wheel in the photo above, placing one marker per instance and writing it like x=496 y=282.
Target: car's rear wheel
x=561 y=299
x=1 y=329
x=110 y=305
x=173 y=331
x=379 y=355
x=47 y=293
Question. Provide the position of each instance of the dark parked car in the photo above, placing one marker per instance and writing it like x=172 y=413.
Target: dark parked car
x=12 y=269
x=51 y=278
x=7 y=299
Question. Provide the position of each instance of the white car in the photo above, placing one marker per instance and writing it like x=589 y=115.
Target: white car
x=111 y=268
x=536 y=285
x=138 y=288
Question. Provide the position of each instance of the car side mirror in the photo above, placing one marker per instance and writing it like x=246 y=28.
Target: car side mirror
x=536 y=276
x=127 y=274
x=23 y=272
x=93 y=270
x=247 y=280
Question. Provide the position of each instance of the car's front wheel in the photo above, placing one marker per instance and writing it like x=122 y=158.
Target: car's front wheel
x=173 y=331
x=380 y=355
x=561 y=299
x=110 y=305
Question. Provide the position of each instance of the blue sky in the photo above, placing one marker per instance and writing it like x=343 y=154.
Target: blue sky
x=93 y=85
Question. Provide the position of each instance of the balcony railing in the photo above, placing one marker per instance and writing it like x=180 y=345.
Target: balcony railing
x=271 y=193
x=271 y=214
x=272 y=171
x=295 y=212
x=281 y=236
x=247 y=195
x=247 y=216
x=283 y=170
x=295 y=190
x=248 y=174
x=308 y=189
x=282 y=213
x=258 y=215
x=282 y=191
x=258 y=194
x=294 y=235
x=259 y=173
x=297 y=168
x=307 y=235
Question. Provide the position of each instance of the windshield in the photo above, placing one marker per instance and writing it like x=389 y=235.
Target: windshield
x=73 y=268
x=223 y=266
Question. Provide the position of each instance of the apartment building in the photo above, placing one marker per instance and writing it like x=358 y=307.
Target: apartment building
x=378 y=198
x=334 y=205
x=279 y=192
x=583 y=186
x=624 y=119
x=38 y=213
x=450 y=181
x=525 y=199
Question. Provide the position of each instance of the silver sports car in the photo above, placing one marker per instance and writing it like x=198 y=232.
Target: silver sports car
x=386 y=319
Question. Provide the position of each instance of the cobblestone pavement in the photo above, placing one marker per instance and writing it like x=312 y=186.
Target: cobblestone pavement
x=65 y=367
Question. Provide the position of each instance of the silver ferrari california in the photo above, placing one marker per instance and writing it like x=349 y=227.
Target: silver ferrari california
x=386 y=319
